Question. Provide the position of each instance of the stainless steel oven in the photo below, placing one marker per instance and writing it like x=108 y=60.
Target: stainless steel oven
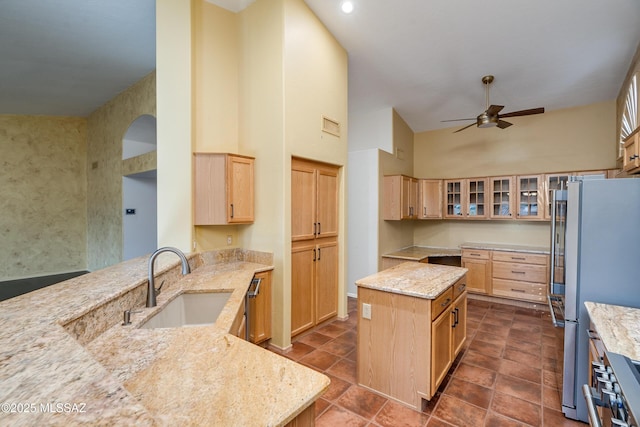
x=613 y=398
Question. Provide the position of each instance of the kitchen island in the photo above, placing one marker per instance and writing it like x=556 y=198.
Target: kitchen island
x=67 y=359
x=411 y=326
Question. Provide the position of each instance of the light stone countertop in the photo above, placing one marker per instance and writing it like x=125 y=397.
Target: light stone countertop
x=506 y=247
x=414 y=279
x=418 y=253
x=618 y=327
x=128 y=376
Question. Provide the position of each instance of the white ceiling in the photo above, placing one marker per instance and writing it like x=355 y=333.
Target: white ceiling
x=424 y=58
x=69 y=57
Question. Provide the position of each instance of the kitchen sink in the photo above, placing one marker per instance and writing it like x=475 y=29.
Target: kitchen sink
x=189 y=309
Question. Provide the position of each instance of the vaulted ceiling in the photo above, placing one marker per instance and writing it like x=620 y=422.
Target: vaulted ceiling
x=423 y=58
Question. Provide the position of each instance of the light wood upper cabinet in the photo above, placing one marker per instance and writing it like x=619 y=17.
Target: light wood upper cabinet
x=477 y=198
x=466 y=198
x=454 y=198
x=503 y=197
x=552 y=182
x=400 y=194
x=530 y=197
x=631 y=153
x=429 y=198
x=314 y=200
x=223 y=189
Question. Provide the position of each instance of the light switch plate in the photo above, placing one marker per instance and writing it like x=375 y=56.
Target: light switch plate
x=366 y=311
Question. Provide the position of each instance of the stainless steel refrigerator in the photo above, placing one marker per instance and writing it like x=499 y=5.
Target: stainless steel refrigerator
x=595 y=233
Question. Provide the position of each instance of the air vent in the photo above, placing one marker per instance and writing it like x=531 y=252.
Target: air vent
x=330 y=126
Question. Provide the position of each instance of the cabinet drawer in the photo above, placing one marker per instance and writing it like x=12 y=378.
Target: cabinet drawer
x=519 y=290
x=475 y=253
x=521 y=257
x=459 y=287
x=441 y=302
x=520 y=272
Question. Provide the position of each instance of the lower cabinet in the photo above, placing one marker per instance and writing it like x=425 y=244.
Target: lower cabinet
x=314 y=284
x=478 y=261
x=515 y=275
x=260 y=310
x=520 y=276
x=448 y=334
x=407 y=346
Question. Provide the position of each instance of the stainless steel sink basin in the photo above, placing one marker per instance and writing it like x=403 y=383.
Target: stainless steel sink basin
x=189 y=309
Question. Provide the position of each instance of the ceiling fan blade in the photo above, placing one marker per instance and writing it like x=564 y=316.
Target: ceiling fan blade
x=494 y=109
x=464 y=127
x=455 y=120
x=523 y=112
x=502 y=124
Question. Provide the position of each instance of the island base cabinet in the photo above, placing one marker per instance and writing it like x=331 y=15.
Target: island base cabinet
x=306 y=418
x=408 y=345
x=394 y=355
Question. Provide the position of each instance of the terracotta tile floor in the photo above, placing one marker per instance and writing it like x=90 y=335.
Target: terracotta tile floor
x=508 y=374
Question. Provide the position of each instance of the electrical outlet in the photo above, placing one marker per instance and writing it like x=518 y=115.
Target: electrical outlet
x=366 y=311
x=229 y=240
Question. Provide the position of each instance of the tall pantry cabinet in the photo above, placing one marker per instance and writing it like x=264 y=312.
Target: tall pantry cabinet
x=314 y=243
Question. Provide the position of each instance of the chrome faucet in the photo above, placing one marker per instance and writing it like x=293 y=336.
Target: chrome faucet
x=152 y=292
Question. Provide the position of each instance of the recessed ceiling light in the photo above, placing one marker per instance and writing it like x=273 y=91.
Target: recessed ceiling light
x=347 y=6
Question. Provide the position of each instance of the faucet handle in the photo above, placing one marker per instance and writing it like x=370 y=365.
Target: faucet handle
x=160 y=287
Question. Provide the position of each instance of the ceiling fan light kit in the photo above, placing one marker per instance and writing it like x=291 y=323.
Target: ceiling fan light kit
x=490 y=117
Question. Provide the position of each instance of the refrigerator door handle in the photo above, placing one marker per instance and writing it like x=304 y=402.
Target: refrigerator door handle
x=553 y=244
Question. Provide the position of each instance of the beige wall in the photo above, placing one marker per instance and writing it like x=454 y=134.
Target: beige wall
x=105 y=129
x=262 y=79
x=315 y=84
x=43 y=220
x=396 y=234
x=174 y=126
x=582 y=138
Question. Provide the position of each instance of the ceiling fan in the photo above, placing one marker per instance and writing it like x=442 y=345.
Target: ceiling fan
x=490 y=116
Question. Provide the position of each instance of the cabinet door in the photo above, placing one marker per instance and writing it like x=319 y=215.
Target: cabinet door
x=240 y=189
x=409 y=197
x=302 y=288
x=440 y=348
x=553 y=182
x=530 y=197
x=503 y=197
x=477 y=198
x=459 y=331
x=260 y=310
x=631 y=154
x=429 y=198
x=303 y=202
x=327 y=203
x=455 y=203
x=326 y=281
x=479 y=274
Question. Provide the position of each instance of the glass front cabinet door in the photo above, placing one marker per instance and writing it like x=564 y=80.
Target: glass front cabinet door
x=530 y=197
x=477 y=198
x=502 y=197
x=455 y=203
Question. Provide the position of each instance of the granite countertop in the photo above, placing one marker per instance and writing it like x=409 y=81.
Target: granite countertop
x=419 y=253
x=128 y=376
x=506 y=247
x=414 y=279
x=617 y=327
